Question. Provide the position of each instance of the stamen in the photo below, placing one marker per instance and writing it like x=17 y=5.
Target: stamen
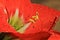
x=31 y=20
x=35 y=17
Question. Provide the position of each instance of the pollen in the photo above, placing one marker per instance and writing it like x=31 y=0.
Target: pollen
x=35 y=17
x=31 y=20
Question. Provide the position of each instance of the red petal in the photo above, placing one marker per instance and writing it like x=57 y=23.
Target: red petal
x=46 y=17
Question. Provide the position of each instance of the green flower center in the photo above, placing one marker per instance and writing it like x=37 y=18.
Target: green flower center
x=18 y=22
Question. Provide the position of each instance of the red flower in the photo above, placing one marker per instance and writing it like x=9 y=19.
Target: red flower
x=36 y=31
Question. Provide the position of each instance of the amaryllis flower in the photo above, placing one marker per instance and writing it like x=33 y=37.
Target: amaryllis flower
x=23 y=20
